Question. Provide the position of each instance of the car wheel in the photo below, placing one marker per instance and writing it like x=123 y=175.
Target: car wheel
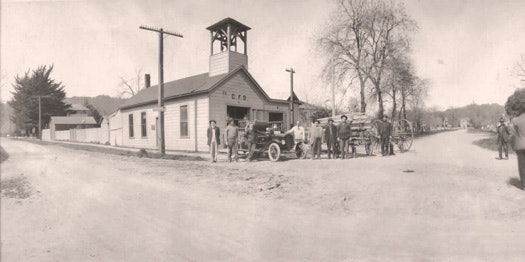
x=274 y=152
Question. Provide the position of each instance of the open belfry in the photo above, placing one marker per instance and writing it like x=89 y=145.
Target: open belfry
x=225 y=52
x=227 y=90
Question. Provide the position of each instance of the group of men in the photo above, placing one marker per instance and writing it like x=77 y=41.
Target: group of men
x=338 y=138
x=232 y=136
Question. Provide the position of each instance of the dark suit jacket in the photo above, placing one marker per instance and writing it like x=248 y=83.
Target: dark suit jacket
x=503 y=133
x=385 y=129
x=330 y=139
x=217 y=135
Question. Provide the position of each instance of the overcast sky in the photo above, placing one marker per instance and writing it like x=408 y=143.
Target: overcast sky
x=465 y=48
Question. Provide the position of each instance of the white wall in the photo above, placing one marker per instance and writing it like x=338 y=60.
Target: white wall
x=198 y=117
x=138 y=141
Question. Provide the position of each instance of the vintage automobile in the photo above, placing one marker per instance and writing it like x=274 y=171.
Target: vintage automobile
x=270 y=142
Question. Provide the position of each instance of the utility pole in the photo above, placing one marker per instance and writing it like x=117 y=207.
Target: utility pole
x=40 y=114
x=161 y=33
x=291 y=95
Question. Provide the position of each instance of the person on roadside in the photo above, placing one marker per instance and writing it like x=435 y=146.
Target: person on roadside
x=330 y=137
x=316 y=137
x=298 y=132
x=299 y=138
x=503 y=139
x=344 y=132
x=515 y=107
x=232 y=135
x=214 y=140
x=385 y=134
x=250 y=139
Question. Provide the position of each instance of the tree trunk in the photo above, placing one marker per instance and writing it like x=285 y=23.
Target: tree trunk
x=363 y=101
x=381 y=109
x=394 y=103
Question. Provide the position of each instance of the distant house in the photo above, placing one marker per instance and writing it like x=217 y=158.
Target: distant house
x=464 y=123
x=61 y=123
x=228 y=90
x=77 y=110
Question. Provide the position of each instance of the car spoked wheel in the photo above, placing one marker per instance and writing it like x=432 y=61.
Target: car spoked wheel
x=274 y=152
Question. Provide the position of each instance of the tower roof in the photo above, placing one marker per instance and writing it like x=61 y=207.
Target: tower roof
x=226 y=21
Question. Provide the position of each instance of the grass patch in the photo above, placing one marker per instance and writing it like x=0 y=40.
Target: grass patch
x=16 y=187
x=115 y=151
x=489 y=142
x=3 y=155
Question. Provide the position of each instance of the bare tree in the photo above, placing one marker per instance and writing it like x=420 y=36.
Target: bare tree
x=131 y=86
x=344 y=43
x=361 y=38
x=519 y=68
x=388 y=26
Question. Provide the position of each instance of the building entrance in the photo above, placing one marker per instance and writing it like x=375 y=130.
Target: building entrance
x=238 y=114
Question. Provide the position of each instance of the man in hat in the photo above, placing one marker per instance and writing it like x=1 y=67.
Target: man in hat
x=316 y=136
x=214 y=140
x=503 y=138
x=330 y=136
x=344 y=132
x=385 y=133
x=251 y=139
x=232 y=135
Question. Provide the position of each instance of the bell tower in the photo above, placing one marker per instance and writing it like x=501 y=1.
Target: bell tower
x=228 y=47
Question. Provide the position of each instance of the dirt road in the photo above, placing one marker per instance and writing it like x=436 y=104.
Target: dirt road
x=447 y=200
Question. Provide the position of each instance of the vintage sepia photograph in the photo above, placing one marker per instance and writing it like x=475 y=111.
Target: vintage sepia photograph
x=276 y=130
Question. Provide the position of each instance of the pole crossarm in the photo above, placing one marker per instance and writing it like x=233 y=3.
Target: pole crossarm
x=160 y=101
x=160 y=30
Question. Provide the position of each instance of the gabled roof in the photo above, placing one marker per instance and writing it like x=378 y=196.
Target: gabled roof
x=77 y=107
x=226 y=21
x=193 y=85
x=186 y=86
x=73 y=120
x=296 y=100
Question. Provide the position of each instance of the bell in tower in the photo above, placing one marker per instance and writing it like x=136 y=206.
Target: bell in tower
x=228 y=47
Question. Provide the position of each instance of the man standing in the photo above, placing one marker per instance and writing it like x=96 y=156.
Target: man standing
x=344 y=132
x=251 y=139
x=386 y=132
x=330 y=136
x=298 y=136
x=232 y=134
x=298 y=132
x=316 y=136
x=214 y=140
x=503 y=138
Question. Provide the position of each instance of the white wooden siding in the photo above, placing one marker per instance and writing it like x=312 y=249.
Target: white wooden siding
x=240 y=84
x=225 y=62
x=237 y=59
x=219 y=64
x=196 y=130
x=148 y=142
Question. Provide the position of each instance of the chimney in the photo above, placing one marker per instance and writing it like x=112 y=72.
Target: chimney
x=147 y=80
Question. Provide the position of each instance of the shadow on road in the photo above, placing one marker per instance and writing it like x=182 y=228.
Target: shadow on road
x=514 y=181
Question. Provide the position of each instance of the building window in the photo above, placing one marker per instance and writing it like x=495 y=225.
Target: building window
x=184 y=121
x=130 y=122
x=143 y=124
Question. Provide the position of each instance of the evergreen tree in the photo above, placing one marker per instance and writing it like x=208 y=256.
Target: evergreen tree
x=28 y=89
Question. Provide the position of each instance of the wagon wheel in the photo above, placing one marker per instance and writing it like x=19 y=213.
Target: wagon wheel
x=403 y=135
x=299 y=151
x=274 y=152
x=376 y=142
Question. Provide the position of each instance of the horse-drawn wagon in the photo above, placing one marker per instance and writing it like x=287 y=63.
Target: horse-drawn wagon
x=365 y=132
